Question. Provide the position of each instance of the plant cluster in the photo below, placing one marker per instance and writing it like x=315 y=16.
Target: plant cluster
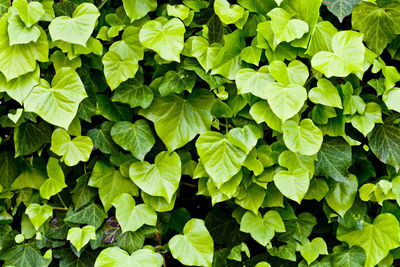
x=199 y=133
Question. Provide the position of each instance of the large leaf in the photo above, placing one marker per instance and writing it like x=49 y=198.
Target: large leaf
x=118 y=69
x=221 y=159
x=30 y=12
x=347 y=55
x=293 y=185
x=71 y=151
x=353 y=257
x=341 y=196
x=195 y=246
x=131 y=216
x=383 y=142
x=24 y=255
x=29 y=137
x=326 y=94
x=137 y=9
x=136 y=138
x=16 y=60
x=158 y=179
x=177 y=120
x=334 y=158
x=58 y=103
x=377 y=239
x=19 y=33
x=164 y=36
x=379 y=24
x=254 y=82
x=76 y=29
x=114 y=257
x=262 y=228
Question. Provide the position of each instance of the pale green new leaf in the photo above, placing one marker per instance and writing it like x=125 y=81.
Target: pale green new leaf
x=76 y=29
x=195 y=246
x=199 y=48
x=71 y=151
x=321 y=39
x=286 y=29
x=38 y=214
x=377 y=239
x=245 y=138
x=262 y=228
x=136 y=138
x=118 y=69
x=21 y=34
x=177 y=120
x=391 y=98
x=226 y=12
x=158 y=179
x=30 y=12
x=347 y=55
x=261 y=112
x=56 y=181
x=365 y=123
x=294 y=73
x=131 y=216
x=285 y=100
x=116 y=257
x=129 y=46
x=311 y=250
x=326 y=94
x=164 y=36
x=304 y=138
x=79 y=237
x=341 y=195
x=254 y=82
x=17 y=60
x=58 y=103
x=221 y=159
x=136 y=9
x=293 y=184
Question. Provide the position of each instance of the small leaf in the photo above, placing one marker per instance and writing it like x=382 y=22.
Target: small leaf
x=341 y=196
x=56 y=181
x=228 y=14
x=38 y=214
x=79 y=237
x=293 y=185
x=326 y=94
x=311 y=250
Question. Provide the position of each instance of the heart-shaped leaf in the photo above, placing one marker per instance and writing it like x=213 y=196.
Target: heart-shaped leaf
x=118 y=69
x=115 y=256
x=38 y=214
x=295 y=73
x=254 y=82
x=326 y=94
x=158 y=179
x=294 y=184
x=29 y=12
x=195 y=246
x=341 y=195
x=136 y=9
x=56 y=181
x=311 y=250
x=79 y=237
x=76 y=29
x=58 y=103
x=228 y=14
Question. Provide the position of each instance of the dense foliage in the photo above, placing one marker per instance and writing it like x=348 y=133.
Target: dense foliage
x=199 y=133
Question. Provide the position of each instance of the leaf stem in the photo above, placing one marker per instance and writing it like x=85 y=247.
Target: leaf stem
x=102 y=4
x=62 y=202
x=189 y=184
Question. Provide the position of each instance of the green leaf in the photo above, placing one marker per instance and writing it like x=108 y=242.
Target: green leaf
x=158 y=179
x=334 y=158
x=321 y=39
x=341 y=8
x=133 y=94
x=102 y=139
x=56 y=181
x=38 y=214
x=262 y=228
x=294 y=184
x=136 y=138
x=82 y=194
x=221 y=159
x=58 y=103
x=113 y=257
x=136 y=9
x=29 y=137
x=131 y=216
x=19 y=33
x=305 y=138
x=347 y=55
x=294 y=73
x=245 y=138
x=377 y=239
x=228 y=14
x=366 y=122
x=19 y=59
x=254 y=82
x=76 y=29
x=164 y=36
x=177 y=82
x=383 y=142
x=92 y=214
x=111 y=183
x=390 y=98
x=251 y=198
x=198 y=47
x=326 y=94
x=79 y=237
x=341 y=195
x=71 y=151
x=261 y=112
x=129 y=46
x=311 y=250
x=286 y=29
x=24 y=255
x=195 y=246
x=30 y=13
x=118 y=69
x=285 y=100
x=177 y=120
x=379 y=24
x=353 y=257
